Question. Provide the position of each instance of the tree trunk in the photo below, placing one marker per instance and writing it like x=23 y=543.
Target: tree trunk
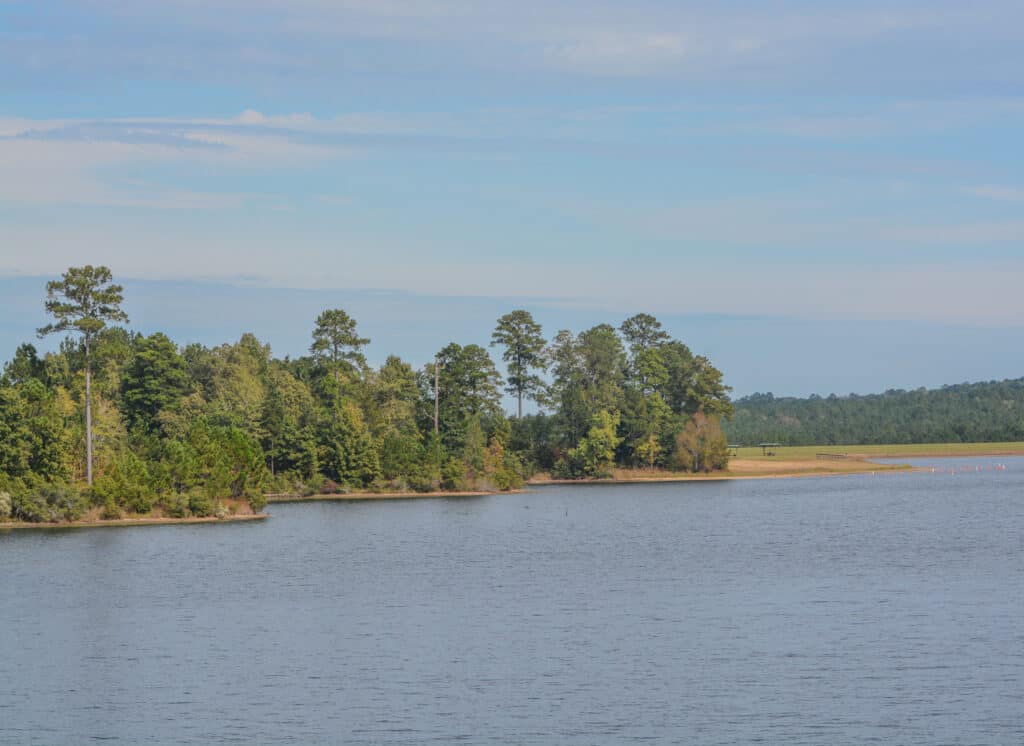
x=520 y=392
x=88 y=416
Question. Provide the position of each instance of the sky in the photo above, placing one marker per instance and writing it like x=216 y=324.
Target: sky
x=821 y=196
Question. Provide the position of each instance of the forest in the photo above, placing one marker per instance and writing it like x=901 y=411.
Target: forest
x=963 y=413
x=116 y=423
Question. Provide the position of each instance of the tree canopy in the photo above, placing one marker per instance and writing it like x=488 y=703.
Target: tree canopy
x=186 y=430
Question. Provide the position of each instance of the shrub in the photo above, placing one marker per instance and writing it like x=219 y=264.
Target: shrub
x=176 y=505
x=199 y=503
x=5 y=505
x=30 y=506
x=420 y=480
x=49 y=502
x=330 y=487
x=701 y=446
x=452 y=474
x=257 y=500
x=111 y=511
x=125 y=483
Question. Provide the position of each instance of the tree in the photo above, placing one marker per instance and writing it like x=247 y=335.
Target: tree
x=25 y=365
x=702 y=445
x=596 y=452
x=335 y=339
x=521 y=337
x=645 y=337
x=82 y=302
x=154 y=380
x=588 y=372
x=643 y=332
x=468 y=386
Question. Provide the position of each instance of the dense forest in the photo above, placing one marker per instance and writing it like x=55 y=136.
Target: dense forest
x=964 y=413
x=115 y=422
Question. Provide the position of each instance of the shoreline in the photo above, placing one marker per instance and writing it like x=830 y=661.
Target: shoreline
x=352 y=496
x=123 y=522
x=721 y=477
x=751 y=469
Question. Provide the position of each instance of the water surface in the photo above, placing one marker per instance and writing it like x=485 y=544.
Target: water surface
x=836 y=610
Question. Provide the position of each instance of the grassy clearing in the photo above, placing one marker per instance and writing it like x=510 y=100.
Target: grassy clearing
x=938 y=450
x=803 y=461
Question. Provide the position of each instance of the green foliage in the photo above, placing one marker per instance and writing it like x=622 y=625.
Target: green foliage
x=25 y=366
x=524 y=347
x=287 y=424
x=475 y=448
x=111 y=511
x=595 y=454
x=175 y=505
x=349 y=454
x=335 y=341
x=83 y=301
x=964 y=413
x=6 y=506
x=256 y=499
x=469 y=386
x=154 y=381
x=589 y=372
x=49 y=503
x=200 y=504
x=504 y=470
x=125 y=483
x=186 y=429
x=229 y=461
x=453 y=473
x=702 y=445
x=33 y=432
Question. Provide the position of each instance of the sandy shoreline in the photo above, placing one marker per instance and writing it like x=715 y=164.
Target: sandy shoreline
x=375 y=496
x=740 y=469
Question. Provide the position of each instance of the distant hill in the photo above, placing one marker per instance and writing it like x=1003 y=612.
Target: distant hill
x=963 y=413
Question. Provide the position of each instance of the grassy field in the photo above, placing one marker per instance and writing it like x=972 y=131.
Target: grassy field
x=801 y=453
x=803 y=461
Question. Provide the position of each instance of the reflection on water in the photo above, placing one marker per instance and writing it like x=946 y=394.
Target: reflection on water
x=808 y=611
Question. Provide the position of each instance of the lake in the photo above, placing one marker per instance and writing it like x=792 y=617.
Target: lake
x=850 y=609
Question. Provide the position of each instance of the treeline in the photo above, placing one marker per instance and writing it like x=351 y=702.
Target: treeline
x=963 y=413
x=116 y=422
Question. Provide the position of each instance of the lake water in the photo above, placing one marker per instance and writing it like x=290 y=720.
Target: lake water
x=806 y=611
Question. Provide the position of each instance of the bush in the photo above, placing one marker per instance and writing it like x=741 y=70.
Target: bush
x=111 y=511
x=452 y=474
x=176 y=505
x=49 y=503
x=330 y=487
x=701 y=446
x=257 y=500
x=199 y=503
x=5 y=505
x=125 y=483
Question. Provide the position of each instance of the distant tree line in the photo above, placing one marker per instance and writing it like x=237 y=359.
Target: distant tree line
x=117 y=422
x=963 y=413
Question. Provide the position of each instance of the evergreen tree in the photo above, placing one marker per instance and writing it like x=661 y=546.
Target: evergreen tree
x=524 y=346
x=83 y=301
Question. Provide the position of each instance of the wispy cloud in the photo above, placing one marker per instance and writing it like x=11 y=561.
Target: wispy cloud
x=997 y=193
x=789 y=43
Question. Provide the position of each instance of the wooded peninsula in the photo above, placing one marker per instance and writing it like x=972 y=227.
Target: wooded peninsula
x=116 y=423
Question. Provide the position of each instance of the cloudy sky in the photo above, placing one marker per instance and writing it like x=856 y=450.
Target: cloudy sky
x=824 y=196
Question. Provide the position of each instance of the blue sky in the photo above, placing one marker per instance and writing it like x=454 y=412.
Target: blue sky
x=822 y=196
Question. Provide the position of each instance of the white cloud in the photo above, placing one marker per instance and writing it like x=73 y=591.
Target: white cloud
x=621 y=53
x=70 y=162
x=962 y=293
